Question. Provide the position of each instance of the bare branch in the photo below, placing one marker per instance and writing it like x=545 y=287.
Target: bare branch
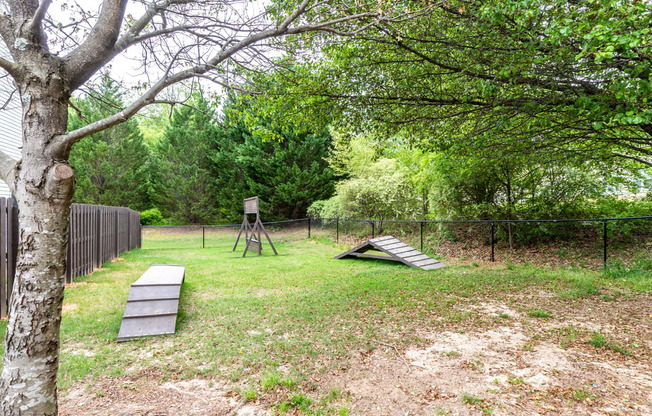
x=34 y=25
x=97 y=49
x=131 y=37
x=8 y=66
x=8 y=170
x=65 y=141
x=173 y=103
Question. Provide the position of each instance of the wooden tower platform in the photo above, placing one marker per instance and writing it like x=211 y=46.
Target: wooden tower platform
x=252 y=232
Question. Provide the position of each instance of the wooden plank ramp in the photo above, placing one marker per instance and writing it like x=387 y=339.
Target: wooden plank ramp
x=153 y=303
x=392 y=249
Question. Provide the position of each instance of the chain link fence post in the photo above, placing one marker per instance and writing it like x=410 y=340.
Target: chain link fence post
x=604 y=245
x=493 y=258
x=422 y=236
x=337 y=227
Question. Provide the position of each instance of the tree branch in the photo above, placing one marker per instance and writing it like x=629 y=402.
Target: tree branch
x=131 y=36
x=34 y=25
x=634 y=158
x=8 y=170
x=97 y=49
x=172 y=103
x=9 y=66
x=64 y=142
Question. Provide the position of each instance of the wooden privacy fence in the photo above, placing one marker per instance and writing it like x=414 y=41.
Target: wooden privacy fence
x=97 y=234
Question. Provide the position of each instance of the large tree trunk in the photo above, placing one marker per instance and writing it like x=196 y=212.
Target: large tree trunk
x=44 y=189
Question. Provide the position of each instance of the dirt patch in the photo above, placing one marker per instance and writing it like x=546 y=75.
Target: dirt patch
x=513 y=368
x=144 y=394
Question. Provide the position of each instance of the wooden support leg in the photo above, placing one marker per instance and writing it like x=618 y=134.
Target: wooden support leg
x=239 y=233
x=268 y=239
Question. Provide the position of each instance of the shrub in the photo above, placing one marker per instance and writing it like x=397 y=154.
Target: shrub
x=151 y=217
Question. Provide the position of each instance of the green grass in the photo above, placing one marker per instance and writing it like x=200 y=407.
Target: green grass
x=274 y=320
x=248 y=394
x=539 y=313
x=637 y=275
x=470 y=399
x=600 y=341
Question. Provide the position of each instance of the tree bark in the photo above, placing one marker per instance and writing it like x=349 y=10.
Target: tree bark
x=44 y=189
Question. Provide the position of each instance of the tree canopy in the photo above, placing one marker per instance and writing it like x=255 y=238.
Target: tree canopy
x=568 y=78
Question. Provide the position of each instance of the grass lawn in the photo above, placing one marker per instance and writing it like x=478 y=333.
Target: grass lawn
x=270 y=326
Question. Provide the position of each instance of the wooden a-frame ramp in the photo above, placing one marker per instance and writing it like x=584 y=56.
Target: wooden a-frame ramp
x=395 y=250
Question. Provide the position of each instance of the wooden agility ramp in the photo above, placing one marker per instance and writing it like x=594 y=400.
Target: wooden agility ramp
x=394 y=250
x=153 y=303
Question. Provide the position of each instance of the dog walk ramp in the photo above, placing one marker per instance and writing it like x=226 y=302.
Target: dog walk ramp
x=153 y=303
x=392 y=249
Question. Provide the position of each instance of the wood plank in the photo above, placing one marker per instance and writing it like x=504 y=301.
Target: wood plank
x=397 y=251
x=433 y=266
x=394 y=246
x=388 y=242
x=161 y=275
x=377 y=239
x=408 y=253
x=151 y=308
x=417 y=257
x=154 y=292
x=373 y=256
x=424 y=262
x=361 y=247
x=147 y=326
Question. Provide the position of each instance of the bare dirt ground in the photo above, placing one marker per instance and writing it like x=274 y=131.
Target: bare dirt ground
x=143 y=394
x=502 y=360
x=522 y=367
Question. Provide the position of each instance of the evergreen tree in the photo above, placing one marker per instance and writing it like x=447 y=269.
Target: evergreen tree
x=185 y=190
x=111 y=167
x=288 y=174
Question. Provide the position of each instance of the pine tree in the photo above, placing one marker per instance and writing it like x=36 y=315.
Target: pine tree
x=288 y=175
x=111 y=167
x=185 y=190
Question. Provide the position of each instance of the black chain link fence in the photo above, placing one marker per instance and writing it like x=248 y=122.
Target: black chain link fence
x=591 y=242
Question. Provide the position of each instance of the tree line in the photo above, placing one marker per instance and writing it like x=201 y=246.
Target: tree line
x=201 y=160
x=201 y=164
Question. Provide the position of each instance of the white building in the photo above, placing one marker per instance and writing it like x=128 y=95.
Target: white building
x=10 y=117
